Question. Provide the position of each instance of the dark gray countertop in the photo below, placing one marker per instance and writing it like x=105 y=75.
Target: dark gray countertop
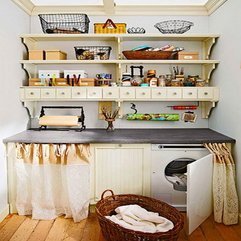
x=155 y=136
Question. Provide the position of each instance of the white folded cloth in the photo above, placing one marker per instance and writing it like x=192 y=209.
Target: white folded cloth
x=139 y=219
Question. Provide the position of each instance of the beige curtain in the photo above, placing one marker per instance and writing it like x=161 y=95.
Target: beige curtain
x=53 y=180
x=224 y=189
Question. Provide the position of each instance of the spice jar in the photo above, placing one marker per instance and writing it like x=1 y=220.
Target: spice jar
x=168 y=79
x=153 y=82
x=162 y=81
x=200 y=83
x=176 y=83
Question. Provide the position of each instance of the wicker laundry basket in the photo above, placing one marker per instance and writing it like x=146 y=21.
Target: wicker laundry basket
x=114 y=232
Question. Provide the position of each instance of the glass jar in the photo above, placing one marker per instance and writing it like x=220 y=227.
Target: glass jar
x=162 y=81
x=168 y=79
x=200 y=83
x=176 y=83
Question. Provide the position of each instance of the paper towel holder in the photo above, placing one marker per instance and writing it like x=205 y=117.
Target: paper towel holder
x=81 y=118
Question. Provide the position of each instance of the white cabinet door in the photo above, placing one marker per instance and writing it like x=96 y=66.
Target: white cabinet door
x=123 y=169
x=199 y=191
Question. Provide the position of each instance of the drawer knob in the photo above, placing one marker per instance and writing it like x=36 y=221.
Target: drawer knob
x=78 y=93
x=47 y=93
x=174 y=93
x=62 y=93
x=127 y=93
x=143 y=93
x=31 y=93
x=110 y=93
x=190 y=93
x=94 y=93
x=205 y=93
x=159 y=93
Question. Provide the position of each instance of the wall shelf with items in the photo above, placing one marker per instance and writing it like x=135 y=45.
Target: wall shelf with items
x=204 y=66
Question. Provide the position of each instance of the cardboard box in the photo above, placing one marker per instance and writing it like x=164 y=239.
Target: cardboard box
x=88 y=81
x=55 y=55
x=35 y=82
x=36 y=55
x=188 y=55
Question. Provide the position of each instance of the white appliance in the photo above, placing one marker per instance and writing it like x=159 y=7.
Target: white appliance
x=181 y=175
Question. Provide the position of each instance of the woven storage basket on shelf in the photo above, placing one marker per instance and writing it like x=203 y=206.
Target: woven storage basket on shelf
x=110 y=27
x=114 y=232
x=130 y=54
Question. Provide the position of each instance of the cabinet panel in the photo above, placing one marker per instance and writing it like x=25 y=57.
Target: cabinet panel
x=79 y=93
x=32 y=93
x=94 y=93
x=189 y=93
x=127 y=93
x=63 y=93
x=174 y=93
x=122 y=169
x=110 y=93
x=158 y=93
x=47 y=93
x=143 y=93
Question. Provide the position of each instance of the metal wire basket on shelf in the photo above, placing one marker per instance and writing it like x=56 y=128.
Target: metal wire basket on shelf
x=174 y=26
x=64 y=23
x=92 y=52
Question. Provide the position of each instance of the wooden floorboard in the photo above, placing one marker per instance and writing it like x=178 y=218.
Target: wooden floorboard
x=21 y=228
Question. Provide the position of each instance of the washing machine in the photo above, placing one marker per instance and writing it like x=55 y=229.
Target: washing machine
x=169 y=165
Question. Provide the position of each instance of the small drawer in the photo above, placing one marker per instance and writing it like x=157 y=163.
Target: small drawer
x=174 y=93
x=158 y=93
x=127 y=93
x=94 y=93
x=48 y=93
x=110 y=93
x=32 y=93
x=205 y=93
x=78 y=93
x=143 y=93
x=63 y=93
x=189 y=93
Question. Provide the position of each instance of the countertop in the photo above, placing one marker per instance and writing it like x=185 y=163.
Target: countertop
x=122 y=136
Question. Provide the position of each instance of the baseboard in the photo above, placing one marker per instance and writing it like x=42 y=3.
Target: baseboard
x=4 y=213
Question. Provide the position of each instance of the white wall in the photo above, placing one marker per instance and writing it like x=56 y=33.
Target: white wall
x=148 y=22
x=227 y=116
x=13 y=117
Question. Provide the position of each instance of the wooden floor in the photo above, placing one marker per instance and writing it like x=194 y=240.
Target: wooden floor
x=21 y=228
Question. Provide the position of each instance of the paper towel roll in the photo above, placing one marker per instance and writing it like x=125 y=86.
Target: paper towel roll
x=62 y=120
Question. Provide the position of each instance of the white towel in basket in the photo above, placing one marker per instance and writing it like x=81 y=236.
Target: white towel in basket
x=139 y=219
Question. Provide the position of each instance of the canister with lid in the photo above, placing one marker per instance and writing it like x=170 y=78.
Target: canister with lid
x=200 y=83
x=162 y=81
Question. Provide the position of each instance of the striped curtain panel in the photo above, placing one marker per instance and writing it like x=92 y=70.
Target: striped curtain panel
x=52 y=180
x=224 y=188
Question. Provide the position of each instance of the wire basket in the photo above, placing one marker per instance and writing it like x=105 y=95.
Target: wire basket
x=92 y=52
x=64 y=23
x=174 y=26
x=112 y=231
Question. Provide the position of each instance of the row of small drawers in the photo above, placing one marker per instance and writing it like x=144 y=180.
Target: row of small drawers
x=205 y=93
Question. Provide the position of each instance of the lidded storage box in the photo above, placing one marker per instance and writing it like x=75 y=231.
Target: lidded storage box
x=188 y=55
x=55 y=55
x=36 y=55
x=64 y=23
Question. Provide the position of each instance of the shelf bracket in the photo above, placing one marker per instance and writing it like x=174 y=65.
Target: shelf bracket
x=208 y=44
x=29 y=43
x=206 y=108
x=207 y=71
x=30 y=69
x=120 y=105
